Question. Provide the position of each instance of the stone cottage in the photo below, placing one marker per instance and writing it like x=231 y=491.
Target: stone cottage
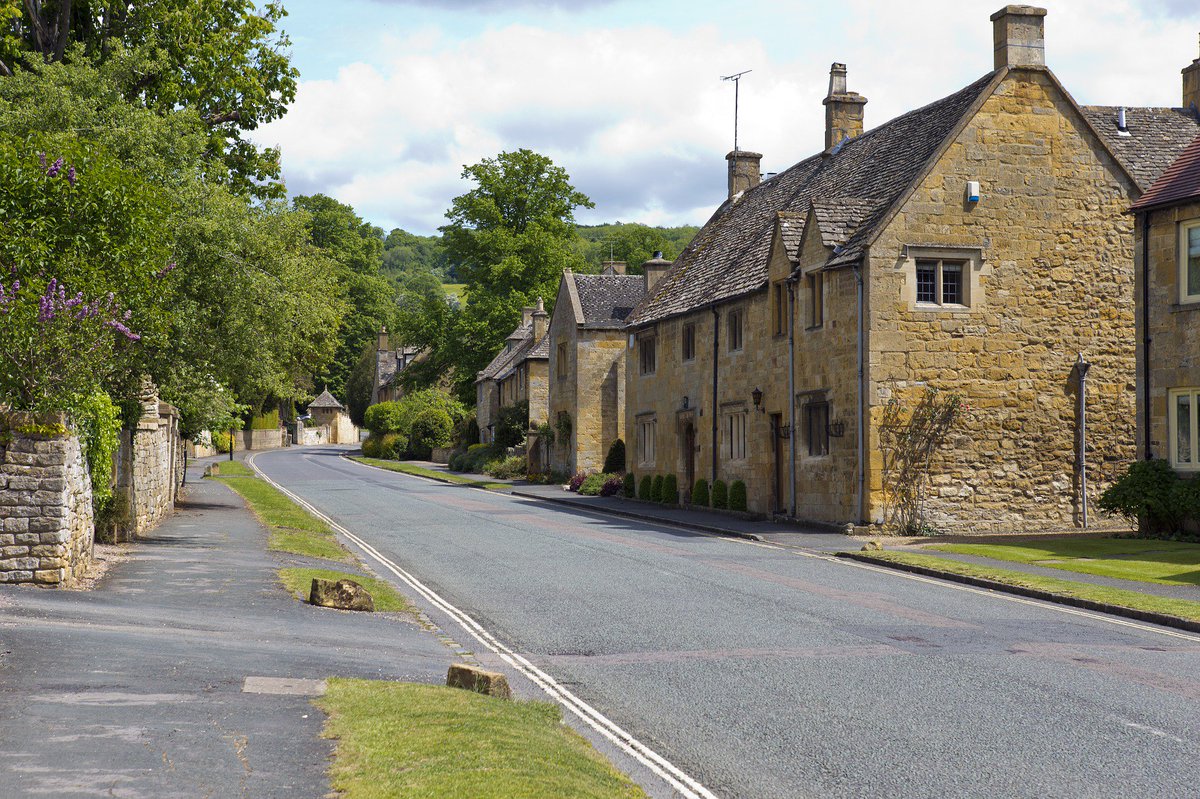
x=331 y=423
x=586 y=346
x=975 y=246
x=389 y=364
x=518 y=372
x=1167 y=261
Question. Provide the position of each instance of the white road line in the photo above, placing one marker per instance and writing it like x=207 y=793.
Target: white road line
x=684 y=784
x=903 y=575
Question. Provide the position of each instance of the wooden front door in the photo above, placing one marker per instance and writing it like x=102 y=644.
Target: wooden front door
x=689 y=458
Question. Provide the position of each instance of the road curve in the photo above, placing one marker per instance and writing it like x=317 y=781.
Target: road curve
x=764 y=672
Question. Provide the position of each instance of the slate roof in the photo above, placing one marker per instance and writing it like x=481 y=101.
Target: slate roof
x=607 y=300
x=1180 y=182
x=523 y=349
x=791 y=230
x=728 y=257
x=1156 y=137
x=389 y=363
x=325 y=400
x=838 y=218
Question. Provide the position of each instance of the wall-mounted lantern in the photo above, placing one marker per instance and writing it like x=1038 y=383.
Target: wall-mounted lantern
x=757 y=396
x=684 y=403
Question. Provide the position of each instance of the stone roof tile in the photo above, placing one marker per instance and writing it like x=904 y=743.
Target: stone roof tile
x=1179 y=183
x=1157 y=136
x=607 y=300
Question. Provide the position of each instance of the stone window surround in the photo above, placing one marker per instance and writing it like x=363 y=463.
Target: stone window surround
x=647 y=353
x=688 y=353
x=972 y=259
x=779 y=308
x=1194 y=428
x=814 y=303
x=735 y=329
x=816 y=410
x=560 y=365
x=647 y=435
x=735 y=437
x=1185 y=298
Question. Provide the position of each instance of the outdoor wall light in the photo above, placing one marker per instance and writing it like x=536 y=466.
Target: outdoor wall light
x=757 y=396
x=837 y=428
x=685 y=402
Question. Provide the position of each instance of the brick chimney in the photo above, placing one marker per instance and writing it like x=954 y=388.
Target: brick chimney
x=612 y=268
x=743 y=170
x=539 y=321
x=1191 y=87
x=843 y=109
x=654 y=269
x=1019 y=37
x=527 y=315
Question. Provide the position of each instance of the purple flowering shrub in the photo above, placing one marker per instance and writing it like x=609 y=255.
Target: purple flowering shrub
x=612 y=486
x=577 y=481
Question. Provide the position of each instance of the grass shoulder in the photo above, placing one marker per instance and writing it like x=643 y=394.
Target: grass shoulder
x=1132 y=600
x=401 y=739
x=421 y=471
x=292 y=529
x=298 y=582
x=1141 y=559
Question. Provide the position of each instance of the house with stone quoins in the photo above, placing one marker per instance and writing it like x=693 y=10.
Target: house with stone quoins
x=1167 y=263
x=586 y=344
x=976 y=246
x=518 y=372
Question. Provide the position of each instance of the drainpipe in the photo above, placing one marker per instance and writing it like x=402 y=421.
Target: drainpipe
x=862 y=466
x=713 y=410
x=791 y=288
x=1146 y=339
x=1081 y=369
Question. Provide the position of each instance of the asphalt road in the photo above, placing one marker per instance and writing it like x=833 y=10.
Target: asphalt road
x=768 y=672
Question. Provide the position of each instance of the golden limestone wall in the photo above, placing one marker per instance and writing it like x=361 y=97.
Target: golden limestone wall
x=1052 y=277
x=538 y=391
x=599 y=379
x=561 y=378
x=1174 y=327
x=762 y=363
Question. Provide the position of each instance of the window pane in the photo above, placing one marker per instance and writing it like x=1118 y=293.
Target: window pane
x=926 y=281
x=1193 y=262
x=952 y=284
x=1183 y=428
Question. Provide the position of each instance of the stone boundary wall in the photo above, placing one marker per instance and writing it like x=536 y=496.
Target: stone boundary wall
x=149 y=468
x=46 y=524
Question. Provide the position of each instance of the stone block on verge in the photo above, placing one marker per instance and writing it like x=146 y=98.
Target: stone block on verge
x=473 y=678
x=872 y=546
x=48 y=576
x=340 y=594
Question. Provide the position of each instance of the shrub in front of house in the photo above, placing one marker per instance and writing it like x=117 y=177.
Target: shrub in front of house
x=670 y=490
x=1154 y=499
x=510 y=468
x=392 y=446
x=700 y=493
x=591 y=485
x=477 y=457
x=612 y=486
x=614 y=461
x=629 y=487
x=720 y=494
x=645 y=487
x=432 y=428
x=577 y=481
x=656 y=488
x=737 y=496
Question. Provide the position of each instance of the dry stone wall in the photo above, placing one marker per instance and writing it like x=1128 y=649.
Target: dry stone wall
x=46 y=524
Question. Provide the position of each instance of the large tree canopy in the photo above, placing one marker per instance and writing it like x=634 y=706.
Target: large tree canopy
x=225 y=60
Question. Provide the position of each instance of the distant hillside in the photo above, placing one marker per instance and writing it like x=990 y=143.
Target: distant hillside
x=409 y=259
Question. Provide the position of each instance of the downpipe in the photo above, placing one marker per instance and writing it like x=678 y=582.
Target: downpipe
x=862 y=466
x=792 y=394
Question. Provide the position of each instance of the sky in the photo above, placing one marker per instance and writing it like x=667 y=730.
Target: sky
x=397 y=96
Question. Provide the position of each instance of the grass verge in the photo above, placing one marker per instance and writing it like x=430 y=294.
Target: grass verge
x=387 y=599
x=1132 y=600
x=400 y=739
x=1144 y=560
x=420 y=471
x=292 y=529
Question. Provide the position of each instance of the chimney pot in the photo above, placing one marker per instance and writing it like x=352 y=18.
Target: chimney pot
x=539 y=321
x=654 y=269
x=843 y=109
x=744 y=171
x=1191 y=87
x=1018 y=36
x=527 y=314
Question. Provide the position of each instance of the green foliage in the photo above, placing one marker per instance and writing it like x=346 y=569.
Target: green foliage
x=1152 y=497
x=370 y=446
x=476 y=458
x=909 y=436
x=98 y=421
x=432 y=428
x=406 y=254
x=670 y=490
x=720 y=494
x=466 y=432
x=423 y=420
x=512 y=467
x=562 y=428
x=737 y=496
x=646 y=487
x=632 y=243
x=222 y=441
x=360 y=383
x=393 y=446
x=656 y=488
x=700 y=493
x=614 y=461
x=512 y=424
x=629 y=485
x=266 y=421
x=593 y=483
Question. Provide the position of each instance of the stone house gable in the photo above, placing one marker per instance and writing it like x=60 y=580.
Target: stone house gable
x=516 y=373
x=586 y=348
x=1167 y=266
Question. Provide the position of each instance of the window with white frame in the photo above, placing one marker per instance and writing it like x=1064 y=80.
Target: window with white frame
x=1183 y=428
x=734 y=325
x=647 y=431
x=735 y=435
x=941 y=282
x=1189 y=261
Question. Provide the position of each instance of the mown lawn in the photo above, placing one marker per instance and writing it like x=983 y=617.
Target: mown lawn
x=1095 y=593
x=420 y=471
x=417 y=741
x=1165 y=562
x=292 y=529
x=298 y=581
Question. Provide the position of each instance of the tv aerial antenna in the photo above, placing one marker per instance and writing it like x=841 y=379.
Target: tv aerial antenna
x=736 y=78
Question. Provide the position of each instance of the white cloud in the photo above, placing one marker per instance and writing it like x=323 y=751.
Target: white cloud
x=637 y=114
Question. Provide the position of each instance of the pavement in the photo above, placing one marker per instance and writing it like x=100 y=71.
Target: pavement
x=188 y=670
